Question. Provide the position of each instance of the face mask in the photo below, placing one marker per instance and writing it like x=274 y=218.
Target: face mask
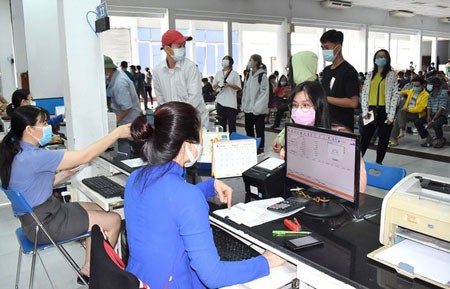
x=417 y=88
x=225 y=63
x=304 y=117
x=405 y=77
x=33 y=102
x=249 y=66
x=192 y=159
x=283 y=83
x=328 y=55
x=429 y=87
x=380 y=61
x=179 y=54
x=46 y=135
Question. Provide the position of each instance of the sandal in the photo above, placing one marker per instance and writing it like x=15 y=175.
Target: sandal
x=393 y=143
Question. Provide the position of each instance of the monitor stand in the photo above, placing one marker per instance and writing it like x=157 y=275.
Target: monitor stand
x=322 y=209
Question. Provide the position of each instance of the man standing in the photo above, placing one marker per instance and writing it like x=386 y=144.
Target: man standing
x=124 y=100
x=124 y=67
x=177 y=78
x=148 y=87
x=140 y=85
x=340 y=80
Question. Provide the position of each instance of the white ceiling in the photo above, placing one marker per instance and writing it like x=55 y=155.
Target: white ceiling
x=431 y=8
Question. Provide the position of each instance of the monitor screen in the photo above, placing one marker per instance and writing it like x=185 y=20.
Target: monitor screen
x=325 y=160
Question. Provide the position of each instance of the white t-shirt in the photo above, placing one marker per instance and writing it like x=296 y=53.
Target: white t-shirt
x=227 y=97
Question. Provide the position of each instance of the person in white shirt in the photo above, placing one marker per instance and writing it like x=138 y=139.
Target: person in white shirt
x=227 y=83
x=177 y=78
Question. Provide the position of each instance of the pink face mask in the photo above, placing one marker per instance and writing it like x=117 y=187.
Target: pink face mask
x=304 y=117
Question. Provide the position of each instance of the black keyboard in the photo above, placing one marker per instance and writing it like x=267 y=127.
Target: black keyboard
x=104 y=186
x=230 y=248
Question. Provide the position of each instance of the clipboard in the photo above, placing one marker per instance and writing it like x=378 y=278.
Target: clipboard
x=232 y=158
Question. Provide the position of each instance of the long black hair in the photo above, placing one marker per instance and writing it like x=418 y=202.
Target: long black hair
x=16 y=100
x=22 y=117
x=318 y=97
x=387 y=67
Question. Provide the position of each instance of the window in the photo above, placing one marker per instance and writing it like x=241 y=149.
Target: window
x=149 y=43
x=308 y=39
x=377 y=41
x=402 y=51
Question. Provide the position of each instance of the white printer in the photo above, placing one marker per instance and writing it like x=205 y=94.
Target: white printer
x=415 y=229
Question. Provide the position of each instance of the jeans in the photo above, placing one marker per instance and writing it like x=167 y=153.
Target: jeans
x=437 y=126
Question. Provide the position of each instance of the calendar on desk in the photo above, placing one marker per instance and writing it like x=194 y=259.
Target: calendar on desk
x=232 y=158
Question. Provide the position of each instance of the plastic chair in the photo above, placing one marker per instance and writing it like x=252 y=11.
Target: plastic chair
x=20 y=206
x=382 y=176
x=107 y=269
x=236 y=136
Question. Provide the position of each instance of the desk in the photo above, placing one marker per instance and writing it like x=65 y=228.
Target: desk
x=340 y=263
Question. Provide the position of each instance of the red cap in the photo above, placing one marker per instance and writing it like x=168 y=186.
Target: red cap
x=173 y=36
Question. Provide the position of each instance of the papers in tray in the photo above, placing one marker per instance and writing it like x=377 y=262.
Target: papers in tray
x=253 y=213
x=278 y=278
x=417 y=259
x=134 y=163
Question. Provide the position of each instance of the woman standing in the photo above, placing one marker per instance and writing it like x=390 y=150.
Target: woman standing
x=379 y=98
x=255 y=99
x=227 y=83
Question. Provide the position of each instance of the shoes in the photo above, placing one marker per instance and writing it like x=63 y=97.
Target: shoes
x=402 y=133
x=409 y=130
x=274 y=126
x=86 y=279
x=428 y=142
x=260 y=152
x=439 y=143
x=393 y=143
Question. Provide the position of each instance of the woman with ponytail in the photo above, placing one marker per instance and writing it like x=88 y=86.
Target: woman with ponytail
x=169 y=235
x=30 y=170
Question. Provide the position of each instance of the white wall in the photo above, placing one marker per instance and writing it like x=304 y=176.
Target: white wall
x=7 y=78
x=20 y=47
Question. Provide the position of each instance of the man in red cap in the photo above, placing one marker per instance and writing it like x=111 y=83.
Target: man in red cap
x=177 y=78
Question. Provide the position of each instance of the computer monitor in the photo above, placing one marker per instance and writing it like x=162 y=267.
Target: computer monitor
x=326 y=162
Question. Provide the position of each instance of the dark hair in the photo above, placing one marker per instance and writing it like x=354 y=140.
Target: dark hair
x=387 y=66
x=258 y=59
x=418 y=79
x=10 y=146
x=318 y=97
x=174 y=123
x=16 y=100
x=124 y=64
x=332 y=36
x=204 y=79
x=287 y=81
x=138 y=67
x=436 y=82
x=229 y=59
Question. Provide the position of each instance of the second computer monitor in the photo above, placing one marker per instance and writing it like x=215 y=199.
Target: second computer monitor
x=325 y=160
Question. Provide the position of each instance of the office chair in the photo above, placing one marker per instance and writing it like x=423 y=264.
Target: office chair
x=107 y=269
x=21 y=206
x=236 y=136
x=382 y=176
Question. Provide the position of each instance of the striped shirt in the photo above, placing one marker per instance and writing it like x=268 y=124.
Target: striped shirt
x=438 y=101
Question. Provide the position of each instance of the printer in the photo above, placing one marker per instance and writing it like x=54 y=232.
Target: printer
x=265 y=179
x=415 y=229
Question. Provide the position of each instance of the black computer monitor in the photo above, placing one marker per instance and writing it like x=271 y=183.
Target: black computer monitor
x=326 y=162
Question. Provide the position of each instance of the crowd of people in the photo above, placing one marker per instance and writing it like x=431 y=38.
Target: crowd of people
x=177 y=246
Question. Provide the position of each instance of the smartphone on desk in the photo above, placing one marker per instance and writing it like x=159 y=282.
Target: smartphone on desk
x=302 y=242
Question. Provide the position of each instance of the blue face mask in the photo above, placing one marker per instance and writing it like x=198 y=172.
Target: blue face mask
x=46 y=135
x=328 y=55
x=417 y=88
x=283 y=83
x=380 y=61
x=429 y=87
x=249 y=66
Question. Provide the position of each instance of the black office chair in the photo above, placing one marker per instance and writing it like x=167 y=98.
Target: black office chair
x=107 y=270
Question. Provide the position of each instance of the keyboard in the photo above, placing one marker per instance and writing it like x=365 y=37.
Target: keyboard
x=104 y=186
x=230 y=248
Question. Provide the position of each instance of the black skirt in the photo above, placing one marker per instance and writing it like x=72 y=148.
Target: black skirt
x=62 y=221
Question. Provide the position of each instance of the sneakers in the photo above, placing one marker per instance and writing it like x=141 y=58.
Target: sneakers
x=428 y=142
x=260 y=152
x=439 y=143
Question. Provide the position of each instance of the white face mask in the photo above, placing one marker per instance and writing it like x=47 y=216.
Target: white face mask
x=179 y=53
x=192 y=159
x=225 y=63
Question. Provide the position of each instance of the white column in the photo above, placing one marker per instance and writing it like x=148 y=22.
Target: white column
x=7 y=69
x=192 y=53
x=417 y=44
x=282 y=48
x=20 y=46
x=134 y=42
x=169 y=21
x=364 y=38
x=81 y=71
x=434 y=52
x=228 y=38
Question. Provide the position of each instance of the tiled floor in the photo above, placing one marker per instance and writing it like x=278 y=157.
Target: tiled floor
x=62 y=275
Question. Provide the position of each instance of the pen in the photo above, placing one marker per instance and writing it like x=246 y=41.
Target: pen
x=282 y=233
x=296 y=189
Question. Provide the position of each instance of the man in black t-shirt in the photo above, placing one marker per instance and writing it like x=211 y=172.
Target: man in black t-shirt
x=340 y=80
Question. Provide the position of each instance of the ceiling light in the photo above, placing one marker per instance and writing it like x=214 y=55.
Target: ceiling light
x=401 y=13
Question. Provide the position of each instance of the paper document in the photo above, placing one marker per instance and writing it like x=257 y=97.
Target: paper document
x=279 y=277
x=370 y=118
x=270 y=163
x=135 y=163
x=426 y=261
x=253 y=213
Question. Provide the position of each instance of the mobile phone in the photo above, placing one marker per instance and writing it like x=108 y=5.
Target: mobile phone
x=302 y=242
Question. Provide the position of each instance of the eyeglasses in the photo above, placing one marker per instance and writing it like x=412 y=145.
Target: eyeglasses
x=305 y=106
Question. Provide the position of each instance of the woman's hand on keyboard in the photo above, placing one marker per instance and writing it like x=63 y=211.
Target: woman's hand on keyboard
x=224 y=192
x=274 y=260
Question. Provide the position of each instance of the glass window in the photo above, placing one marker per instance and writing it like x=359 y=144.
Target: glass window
x=377 y=41
x=308 y=39
x=214 y=36
x=144 y=54
x=155 y=34
x=402 y=52
x=157 y=54
x=211 y=60
x=353 y=48
x=143 y=33
x=201 y=57
x=200 y=35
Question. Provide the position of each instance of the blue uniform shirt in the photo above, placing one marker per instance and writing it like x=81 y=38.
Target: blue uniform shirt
x=33 y=172
x=169 y=233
